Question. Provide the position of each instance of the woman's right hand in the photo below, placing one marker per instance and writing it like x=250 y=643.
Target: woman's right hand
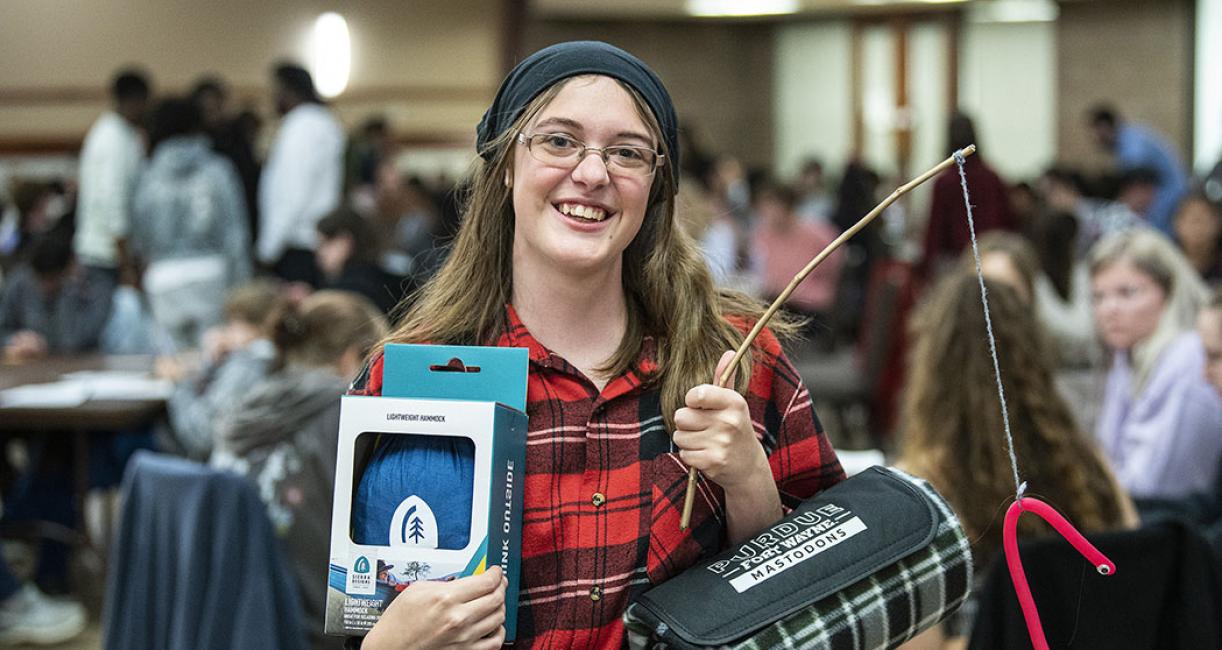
x=466 y=613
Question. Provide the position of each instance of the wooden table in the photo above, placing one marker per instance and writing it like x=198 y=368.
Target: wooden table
x=93 y=415
x=80 y=421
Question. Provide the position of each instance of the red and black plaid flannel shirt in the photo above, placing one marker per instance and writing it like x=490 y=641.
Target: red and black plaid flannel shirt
x=604 y=487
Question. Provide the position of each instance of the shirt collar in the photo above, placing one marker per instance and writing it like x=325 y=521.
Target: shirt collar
x=517 y=336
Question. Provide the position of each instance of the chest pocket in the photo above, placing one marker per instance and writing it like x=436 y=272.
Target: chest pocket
x=672 y=550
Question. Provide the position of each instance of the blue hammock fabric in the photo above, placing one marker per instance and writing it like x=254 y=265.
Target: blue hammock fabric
x=437 y=470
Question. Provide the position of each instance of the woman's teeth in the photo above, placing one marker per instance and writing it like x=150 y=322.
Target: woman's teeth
x=586 y=212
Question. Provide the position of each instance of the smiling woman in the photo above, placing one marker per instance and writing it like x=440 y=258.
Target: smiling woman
x=569 y=248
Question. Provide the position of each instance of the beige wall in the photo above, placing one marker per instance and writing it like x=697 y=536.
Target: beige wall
x=1136 y=54
x=431 y=65
x=719 y=75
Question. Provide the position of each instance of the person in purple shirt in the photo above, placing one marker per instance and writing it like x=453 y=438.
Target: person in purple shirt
x=1161 y=422
x=1136 y=147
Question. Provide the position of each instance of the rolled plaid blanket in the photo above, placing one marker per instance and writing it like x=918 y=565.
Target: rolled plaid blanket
x=868 y=563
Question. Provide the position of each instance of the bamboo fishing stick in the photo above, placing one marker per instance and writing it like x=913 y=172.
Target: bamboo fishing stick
x=723 y=380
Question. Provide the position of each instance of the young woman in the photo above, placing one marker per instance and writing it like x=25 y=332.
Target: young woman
x=569 y=248
x=1160 y=420
x=953 y=428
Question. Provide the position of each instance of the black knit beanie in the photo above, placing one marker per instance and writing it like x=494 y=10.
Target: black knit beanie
x=540 y=70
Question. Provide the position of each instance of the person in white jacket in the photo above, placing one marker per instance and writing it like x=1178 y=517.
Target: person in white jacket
x=112 y=156
x=302 y=179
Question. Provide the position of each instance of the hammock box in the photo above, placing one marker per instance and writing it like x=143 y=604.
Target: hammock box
x=428 y=481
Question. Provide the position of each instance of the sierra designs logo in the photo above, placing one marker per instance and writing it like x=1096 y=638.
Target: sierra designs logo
x=360 y=578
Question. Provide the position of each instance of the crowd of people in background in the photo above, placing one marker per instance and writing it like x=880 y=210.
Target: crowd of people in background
x=263 y=281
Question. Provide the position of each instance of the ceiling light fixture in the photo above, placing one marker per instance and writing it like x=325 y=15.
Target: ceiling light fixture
x=710 y=8
x=331 y=54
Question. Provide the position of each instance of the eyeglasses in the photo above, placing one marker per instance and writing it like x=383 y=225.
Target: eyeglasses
x=559 y=150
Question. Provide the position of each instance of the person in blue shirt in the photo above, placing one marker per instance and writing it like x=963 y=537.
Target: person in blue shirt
x=1136 y=147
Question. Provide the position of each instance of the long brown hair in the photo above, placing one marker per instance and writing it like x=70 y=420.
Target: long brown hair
x=954 y=434
x=669 y=291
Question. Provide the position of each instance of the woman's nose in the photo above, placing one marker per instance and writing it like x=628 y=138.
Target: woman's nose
x=591 y=169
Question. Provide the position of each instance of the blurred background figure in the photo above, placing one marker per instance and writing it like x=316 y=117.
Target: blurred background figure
x=232 y=136
x=37 y=207
x=369 y=147
x=856 y=195
x=953 y=434
x=1064 y=193
x=347 y=255
x=302 y=179
x=49 y=305
x=235 y=356
x=815 y=201
x=189 y=225
x=1137 y=147
x=1159 y=419
x=946 y=233
x=284 y=432
x=782 y=245
x=111 y=160
x=1209 y=326
x=1198 y=231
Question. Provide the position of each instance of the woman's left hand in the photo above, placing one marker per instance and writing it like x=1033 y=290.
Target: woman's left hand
x=715 y=435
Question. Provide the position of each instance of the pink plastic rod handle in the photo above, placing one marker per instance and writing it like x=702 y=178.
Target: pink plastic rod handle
x=1010 y=542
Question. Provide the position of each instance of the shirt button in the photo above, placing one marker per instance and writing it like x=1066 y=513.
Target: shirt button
x=596 y=593
x=598 y=499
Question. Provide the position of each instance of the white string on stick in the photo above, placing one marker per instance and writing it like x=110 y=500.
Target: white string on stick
x=1019 y=486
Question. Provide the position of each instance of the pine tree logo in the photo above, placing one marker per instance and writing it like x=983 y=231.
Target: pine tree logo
x=416 y=527
x=413 y=524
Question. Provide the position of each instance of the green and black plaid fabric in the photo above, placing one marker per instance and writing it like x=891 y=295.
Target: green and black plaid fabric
x=880 y=610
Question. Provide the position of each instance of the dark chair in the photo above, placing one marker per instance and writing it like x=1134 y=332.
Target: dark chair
x=1166 y=593
x=196 y=564
x=844 y=383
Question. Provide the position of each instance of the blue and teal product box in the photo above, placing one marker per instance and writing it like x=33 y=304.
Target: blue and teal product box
x=428 y=480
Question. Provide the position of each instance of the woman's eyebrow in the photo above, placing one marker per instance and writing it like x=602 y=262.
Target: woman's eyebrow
x=578 y=128
x=636 y=136
x=560 y=121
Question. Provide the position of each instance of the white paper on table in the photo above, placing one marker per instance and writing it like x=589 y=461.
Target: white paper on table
x=122 y=385
x=58 y=394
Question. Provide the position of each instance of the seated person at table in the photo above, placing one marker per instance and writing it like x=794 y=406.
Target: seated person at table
x=345 y=257
x=236 y=355
x=283 y=433
x=49 y=307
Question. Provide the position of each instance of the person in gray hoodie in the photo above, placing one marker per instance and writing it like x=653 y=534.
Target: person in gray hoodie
x=283 y=433
x=235 y=355
x=189 y=225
